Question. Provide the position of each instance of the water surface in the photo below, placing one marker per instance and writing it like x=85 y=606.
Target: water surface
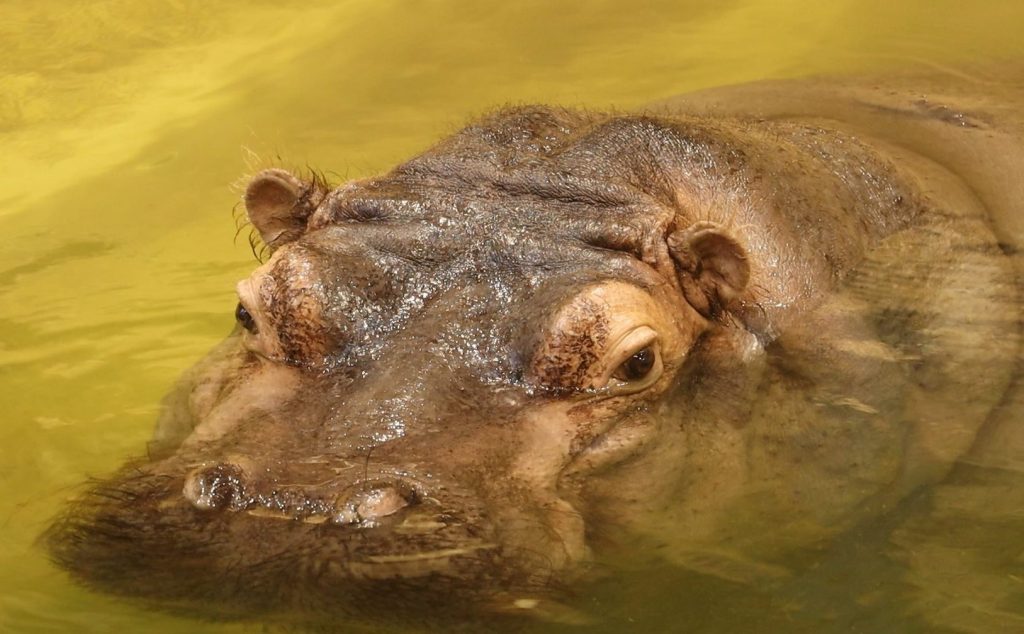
x=127 y=126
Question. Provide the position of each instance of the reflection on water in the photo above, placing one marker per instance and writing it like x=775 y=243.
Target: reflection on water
x=125 y=124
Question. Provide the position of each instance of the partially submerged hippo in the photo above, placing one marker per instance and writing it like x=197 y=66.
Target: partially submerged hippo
x=715 y=331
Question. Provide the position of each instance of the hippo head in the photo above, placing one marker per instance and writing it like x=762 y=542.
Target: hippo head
x=462 y=381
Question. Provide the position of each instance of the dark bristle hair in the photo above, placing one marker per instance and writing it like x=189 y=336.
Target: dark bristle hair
x=315 y=181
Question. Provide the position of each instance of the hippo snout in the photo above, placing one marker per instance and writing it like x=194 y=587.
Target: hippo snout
x=230 y=486
x=216 y=487
x=375 y=502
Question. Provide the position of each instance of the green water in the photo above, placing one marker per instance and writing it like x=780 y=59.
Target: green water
x=126 y=127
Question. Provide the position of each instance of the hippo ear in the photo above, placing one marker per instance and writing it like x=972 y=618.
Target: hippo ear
x=278 y=205
x=712 y=266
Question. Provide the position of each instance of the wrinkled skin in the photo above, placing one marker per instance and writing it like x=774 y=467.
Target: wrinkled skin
x=719 y=330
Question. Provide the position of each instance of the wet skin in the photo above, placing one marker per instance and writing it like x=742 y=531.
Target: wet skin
x=726 y=327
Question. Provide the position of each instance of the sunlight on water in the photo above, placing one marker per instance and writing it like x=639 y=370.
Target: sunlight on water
x=127 y=126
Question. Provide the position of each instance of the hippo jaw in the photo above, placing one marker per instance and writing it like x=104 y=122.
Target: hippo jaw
x=263 y=560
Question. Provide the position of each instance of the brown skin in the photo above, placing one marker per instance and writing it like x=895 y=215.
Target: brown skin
x=724 y=336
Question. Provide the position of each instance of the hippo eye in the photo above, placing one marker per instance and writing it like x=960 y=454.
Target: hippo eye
x=637 y=366
x=245 y=318
x=635 y=362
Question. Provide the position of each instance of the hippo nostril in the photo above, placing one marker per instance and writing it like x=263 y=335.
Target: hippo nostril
x=381 y=503
x=367 y=506
x=209 y=488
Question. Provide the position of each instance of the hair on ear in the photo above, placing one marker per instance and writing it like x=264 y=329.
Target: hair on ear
x=278 y=205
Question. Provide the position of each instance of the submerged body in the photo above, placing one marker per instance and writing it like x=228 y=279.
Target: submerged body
x=716 y=331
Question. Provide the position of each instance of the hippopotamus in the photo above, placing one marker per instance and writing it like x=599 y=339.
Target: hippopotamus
x=715 y=331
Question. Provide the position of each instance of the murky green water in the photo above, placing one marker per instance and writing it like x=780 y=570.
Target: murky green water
x=126 y=126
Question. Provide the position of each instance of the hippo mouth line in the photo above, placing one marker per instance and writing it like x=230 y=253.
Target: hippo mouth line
x=411 y=565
